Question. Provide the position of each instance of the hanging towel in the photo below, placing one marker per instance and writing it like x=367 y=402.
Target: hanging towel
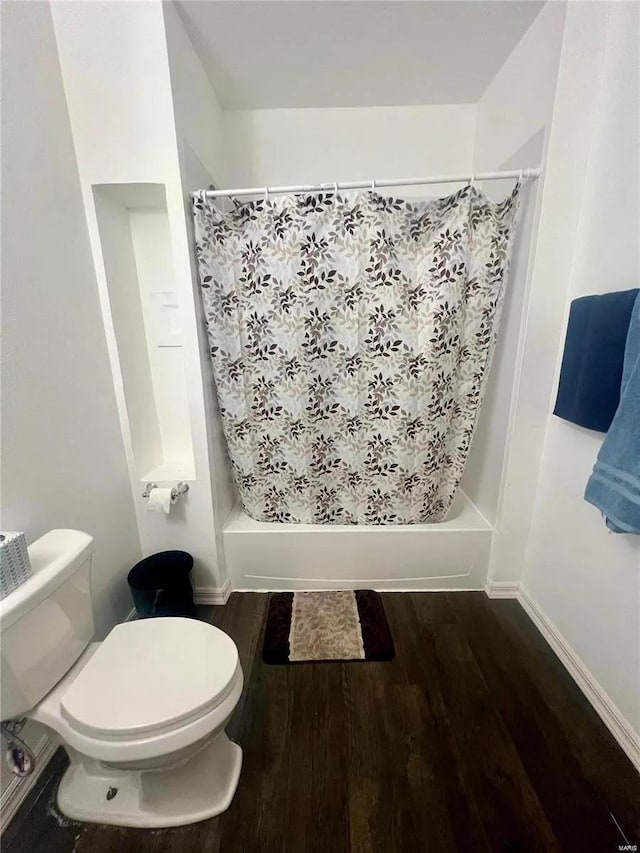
x=589 y=388
x=614 y=485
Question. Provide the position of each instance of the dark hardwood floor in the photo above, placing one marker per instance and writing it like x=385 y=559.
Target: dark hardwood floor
x=473 y=739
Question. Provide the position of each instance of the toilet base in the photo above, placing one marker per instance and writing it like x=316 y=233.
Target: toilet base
x=199 y=789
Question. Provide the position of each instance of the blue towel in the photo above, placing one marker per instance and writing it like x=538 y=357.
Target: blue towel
x=614 y=485
x=589 y=389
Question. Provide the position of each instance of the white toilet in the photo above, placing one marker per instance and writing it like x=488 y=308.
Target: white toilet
x=141 y=715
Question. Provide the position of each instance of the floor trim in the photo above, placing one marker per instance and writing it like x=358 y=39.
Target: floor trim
x=607 y=710
x=213 y=594
x=18 y=789
x=502 y=589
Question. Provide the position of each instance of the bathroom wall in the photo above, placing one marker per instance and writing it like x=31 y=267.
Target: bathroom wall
x=202 y=163
x=115 y=68
x=512 y=122
x=197 y=111
x=63 y=460
x=562 y=193
x=485 y=467
x=291 y=146
x=126 y=305
x=316 y=145
x=519 y=99
x=585 y=580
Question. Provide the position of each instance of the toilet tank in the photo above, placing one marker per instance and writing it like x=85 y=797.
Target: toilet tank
x=47 y=622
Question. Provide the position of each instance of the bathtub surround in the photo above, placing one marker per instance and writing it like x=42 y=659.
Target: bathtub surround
x=351 y=338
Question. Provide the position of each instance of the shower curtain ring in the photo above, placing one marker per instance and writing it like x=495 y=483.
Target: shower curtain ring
x=373 y=185
x=473 y=180
x=266 y=193
x=335 y=187
x=520 y=176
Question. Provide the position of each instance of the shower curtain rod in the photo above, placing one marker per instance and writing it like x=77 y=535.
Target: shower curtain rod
x=374 y=184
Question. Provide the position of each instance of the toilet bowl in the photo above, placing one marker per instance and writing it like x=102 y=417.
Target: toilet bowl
x=134 y=713
x=141 y=715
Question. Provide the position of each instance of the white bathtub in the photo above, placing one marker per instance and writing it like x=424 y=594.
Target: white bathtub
x=452 y=554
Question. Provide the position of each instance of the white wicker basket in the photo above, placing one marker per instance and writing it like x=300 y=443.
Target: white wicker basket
x=15 y=566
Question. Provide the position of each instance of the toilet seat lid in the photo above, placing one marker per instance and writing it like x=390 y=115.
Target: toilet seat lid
x=150 y=674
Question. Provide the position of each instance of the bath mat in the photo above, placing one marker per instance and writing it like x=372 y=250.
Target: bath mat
x=343 y=625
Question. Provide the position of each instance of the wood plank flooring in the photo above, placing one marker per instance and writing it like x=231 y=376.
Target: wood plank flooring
x=473 y=739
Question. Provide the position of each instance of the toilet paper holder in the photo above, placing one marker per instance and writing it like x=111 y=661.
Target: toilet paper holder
x=180 y=488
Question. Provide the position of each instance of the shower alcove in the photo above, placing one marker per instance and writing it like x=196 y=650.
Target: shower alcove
x=454 y=554
x=167 y=124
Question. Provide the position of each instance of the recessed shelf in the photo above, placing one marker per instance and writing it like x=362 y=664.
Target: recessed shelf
x=170 y=469
x=147 y=324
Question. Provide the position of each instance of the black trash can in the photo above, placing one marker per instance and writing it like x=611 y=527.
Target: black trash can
x=160 y=585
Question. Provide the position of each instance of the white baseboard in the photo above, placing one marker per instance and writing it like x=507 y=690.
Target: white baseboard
x=304 y=586
x=502 y=589
x=17 y=789
x=606 y=709
x=213 y=594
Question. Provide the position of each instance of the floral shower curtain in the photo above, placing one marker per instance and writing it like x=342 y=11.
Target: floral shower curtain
x=351 y=339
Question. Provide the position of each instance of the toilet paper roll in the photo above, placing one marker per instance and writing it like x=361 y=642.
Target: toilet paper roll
x=160 y=500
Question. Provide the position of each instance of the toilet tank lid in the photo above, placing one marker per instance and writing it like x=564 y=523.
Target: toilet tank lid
x=54 y=557
x=150 y=674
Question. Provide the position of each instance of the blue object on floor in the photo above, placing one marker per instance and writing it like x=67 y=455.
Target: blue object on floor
x=591 y=373
x=614 y=485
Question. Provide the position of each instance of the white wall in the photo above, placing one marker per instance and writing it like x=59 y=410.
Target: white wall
x=126 y=309
x=562 y=193
x=315 y=145
x=512 y=122
x=162 y=329
x=519 y=99
x=198 y=116
x=202 y=162
x=115 y=69
x=63 y=461
x=482 y=480
x=586 y=580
